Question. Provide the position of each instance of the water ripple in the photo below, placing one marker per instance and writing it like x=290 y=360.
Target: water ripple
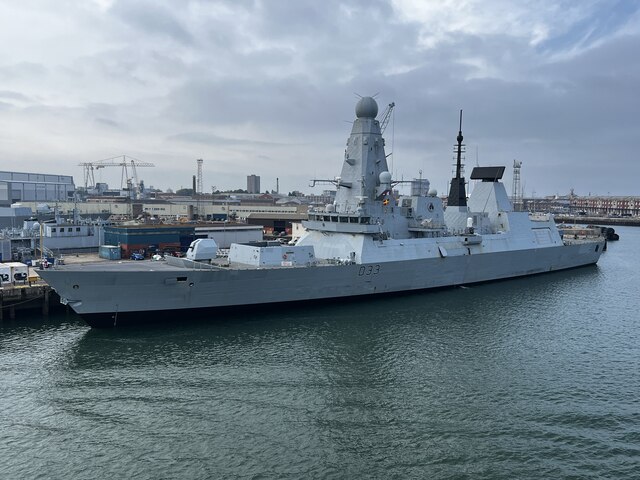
x=531 y=378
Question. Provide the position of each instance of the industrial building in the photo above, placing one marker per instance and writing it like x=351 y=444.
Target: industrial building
x=145 y=238
x=14 y=216
x=171 y=211
x=67 y=237
x=176 y=237
x=612 y=206
x=34 y=187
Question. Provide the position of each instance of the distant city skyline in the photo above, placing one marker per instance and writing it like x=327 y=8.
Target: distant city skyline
x=270 y=87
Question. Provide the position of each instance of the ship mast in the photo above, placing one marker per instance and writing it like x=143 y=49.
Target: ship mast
x=457 y=194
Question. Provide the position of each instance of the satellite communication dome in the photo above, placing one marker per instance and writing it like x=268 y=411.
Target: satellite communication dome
x=385 y=177
x=366 y=108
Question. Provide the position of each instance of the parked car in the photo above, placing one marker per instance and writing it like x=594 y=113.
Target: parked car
x=137 y=256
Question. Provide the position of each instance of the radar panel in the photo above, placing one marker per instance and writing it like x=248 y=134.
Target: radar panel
x=487 y=174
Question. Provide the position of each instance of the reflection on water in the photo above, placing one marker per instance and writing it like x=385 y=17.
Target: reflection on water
x=530 y=378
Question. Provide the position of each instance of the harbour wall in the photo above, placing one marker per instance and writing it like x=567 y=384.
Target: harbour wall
x=38 y=297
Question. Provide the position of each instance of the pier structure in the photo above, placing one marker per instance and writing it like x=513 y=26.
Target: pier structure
x=33 y=295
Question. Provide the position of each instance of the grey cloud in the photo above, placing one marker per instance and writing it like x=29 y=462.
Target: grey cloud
x=108 y=122
x=10 y=95
x=322 y=19
x=577 y=129
x=269 y=102
x=215 y=140
x=596 y=25
x=22 y=70
x=349 y=56
x=154 y=17
x=283 y=75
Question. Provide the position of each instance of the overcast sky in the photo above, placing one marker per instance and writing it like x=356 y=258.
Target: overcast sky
x=269 y=88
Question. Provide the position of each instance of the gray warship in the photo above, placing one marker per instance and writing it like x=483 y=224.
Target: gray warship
x=366 y=243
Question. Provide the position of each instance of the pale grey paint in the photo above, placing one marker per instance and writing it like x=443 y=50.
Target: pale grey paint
x=363 y=244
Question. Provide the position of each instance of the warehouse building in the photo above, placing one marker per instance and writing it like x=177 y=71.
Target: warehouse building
x=176 y=238
x=35 y=187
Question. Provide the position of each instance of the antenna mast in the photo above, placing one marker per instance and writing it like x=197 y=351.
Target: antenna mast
x=516 y=190
x=199 y=183
x=457 y=194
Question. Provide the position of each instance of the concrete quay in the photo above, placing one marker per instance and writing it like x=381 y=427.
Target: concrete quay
x=35 y=297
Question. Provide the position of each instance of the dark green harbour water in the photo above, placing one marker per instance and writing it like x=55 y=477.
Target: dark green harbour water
x=531 y=378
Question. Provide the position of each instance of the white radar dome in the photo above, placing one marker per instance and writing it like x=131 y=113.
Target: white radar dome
x=366 y=108
x=433 y=192
x=385 y=177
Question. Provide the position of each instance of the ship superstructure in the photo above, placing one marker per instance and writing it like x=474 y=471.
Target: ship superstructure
x=365 y=243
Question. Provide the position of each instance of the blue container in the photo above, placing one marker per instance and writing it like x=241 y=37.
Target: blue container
x=110 y=252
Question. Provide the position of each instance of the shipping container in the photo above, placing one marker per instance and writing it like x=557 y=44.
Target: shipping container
x=5 y=274
x=110 y=252
x=18 y=272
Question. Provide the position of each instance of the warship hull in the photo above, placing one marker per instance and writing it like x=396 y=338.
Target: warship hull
x=136 y=292
x=369 y=241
